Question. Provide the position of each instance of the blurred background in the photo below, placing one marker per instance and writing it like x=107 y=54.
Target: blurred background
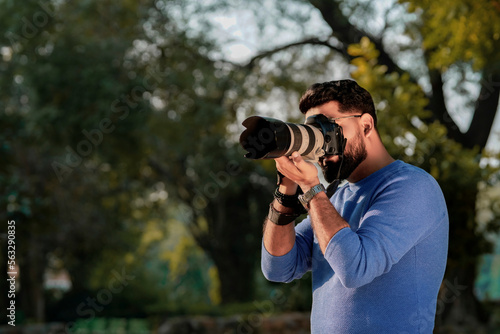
x=134 y=209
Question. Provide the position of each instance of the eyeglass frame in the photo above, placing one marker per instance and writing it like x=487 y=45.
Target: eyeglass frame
x=333 y=119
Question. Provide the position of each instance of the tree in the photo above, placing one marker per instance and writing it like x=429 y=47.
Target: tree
x=439 y=56
x=427 y=146
x=191 y=152
x=441 y=148
x=59 y=82
x=267 y=74
x=148 y=81
x=101 y=111
x=439 y=22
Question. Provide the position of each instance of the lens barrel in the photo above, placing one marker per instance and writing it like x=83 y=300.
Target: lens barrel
x=269 y=138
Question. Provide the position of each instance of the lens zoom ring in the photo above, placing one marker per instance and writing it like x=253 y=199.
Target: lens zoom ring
x=297 y=137
x=312 y=140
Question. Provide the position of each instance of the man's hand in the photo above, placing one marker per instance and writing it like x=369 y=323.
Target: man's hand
x=296 y=169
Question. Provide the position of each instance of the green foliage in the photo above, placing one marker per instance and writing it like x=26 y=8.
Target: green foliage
x=454 y=31
x=401 y=107
x=111 y=325
x=119 y=125
x=114 y=118
x=68 y=154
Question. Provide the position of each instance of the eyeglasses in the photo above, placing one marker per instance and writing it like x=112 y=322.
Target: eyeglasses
x=336 y=118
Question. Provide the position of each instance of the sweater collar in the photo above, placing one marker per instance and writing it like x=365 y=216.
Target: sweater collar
x=354 y=186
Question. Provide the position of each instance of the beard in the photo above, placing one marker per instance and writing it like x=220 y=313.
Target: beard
x=353 y=157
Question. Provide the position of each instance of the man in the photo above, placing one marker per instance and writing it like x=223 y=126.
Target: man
x=377 y=249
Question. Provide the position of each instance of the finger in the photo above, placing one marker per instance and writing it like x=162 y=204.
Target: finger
x=285 y=163
x=279 y=164
x=298 y=161
x=296 y=156
x=286 y=167
x=305 y=168
x=282 y=159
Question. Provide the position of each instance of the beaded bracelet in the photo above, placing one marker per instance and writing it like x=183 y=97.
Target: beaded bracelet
x=290 y=201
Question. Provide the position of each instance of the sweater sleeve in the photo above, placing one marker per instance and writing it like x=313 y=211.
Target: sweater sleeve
x=296 y=262
x=407 y=210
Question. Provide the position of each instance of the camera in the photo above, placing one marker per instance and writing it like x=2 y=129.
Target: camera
x=269 y=138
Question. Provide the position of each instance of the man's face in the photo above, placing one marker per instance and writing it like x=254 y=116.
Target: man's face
x=354 y=154
x=355 y=151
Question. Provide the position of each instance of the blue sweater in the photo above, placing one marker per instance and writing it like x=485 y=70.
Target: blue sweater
x=382 y=274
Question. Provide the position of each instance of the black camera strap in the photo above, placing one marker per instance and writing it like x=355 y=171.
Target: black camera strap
x=332 y=187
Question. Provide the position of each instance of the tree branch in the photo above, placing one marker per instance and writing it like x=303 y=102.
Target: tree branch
x=438 y=106
x=486 y=104
x=308 y=41
x=485 y=110
x=348 y=34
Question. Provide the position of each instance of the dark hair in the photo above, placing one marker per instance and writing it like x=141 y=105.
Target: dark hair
x=351 y=97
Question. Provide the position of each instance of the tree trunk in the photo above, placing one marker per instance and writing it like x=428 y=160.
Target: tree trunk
x=457 y=304
x=236 y=278
x=234 y=241
x=31 y=293
x=485 y=111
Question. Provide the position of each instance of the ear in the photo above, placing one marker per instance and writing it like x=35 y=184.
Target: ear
x=367 y=124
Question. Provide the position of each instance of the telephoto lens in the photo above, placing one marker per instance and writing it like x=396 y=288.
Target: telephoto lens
x=269 y=138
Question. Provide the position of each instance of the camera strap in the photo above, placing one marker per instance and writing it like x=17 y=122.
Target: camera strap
x=332 y=187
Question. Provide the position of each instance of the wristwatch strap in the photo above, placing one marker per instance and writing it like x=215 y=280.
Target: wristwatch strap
x=308 y=196
x=280 y=218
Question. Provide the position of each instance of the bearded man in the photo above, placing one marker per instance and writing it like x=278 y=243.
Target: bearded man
x=377 y=248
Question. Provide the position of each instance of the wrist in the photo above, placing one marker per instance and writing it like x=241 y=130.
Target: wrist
x=306 y=198
x=285 y=185
x=281 y=218
x=288 y=190
x=307 y=186
x=290 y=203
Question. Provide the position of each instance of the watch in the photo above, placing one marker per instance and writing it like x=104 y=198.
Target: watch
x=308 y=196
